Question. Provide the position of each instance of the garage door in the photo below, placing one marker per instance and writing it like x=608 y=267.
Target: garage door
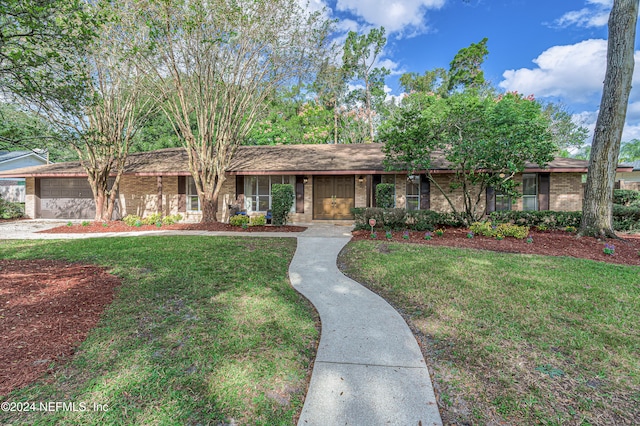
x=69 y=198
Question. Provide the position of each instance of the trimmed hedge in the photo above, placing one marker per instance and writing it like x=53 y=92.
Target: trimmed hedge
x=400 y=219
x=546 y=218
x=626 y=197
x=625 y=218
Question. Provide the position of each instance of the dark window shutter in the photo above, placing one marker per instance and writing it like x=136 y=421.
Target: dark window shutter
x=544 y=185
x=376 y=179
x=182 y=194
x=491 y=200
x=299 y=194
x=240 y=191
x=425 y=193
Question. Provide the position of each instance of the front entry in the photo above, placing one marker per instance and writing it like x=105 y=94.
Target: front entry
x=333 y=197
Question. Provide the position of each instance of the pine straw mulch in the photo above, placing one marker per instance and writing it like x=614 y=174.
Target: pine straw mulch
x=47 y=308
x=549 y=243
x=119 y=226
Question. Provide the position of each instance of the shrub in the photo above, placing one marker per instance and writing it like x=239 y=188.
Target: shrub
x=398 y=219
x=626 y=218
x=424 y=220
x=385 y=194
x=259 y=220
x=500 y=231
x=547 y=218
x=85 y=223
x=282 y=198
x=171 y=219
x=626 y=197
x=239 y=220
x=131 y=219
x=152 y=219
x=10 y=210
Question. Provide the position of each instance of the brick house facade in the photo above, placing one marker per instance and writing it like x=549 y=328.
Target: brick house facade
x=328 y=181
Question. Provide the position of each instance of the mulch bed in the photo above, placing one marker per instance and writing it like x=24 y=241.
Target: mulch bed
x=119 y=226
x=550 y=243
x=47 y=309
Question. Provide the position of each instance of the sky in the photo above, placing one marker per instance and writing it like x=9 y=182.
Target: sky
x=553 y=49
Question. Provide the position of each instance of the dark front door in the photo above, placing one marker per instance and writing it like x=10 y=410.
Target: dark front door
x=333 y=197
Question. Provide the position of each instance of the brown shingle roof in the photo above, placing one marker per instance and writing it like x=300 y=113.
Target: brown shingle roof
x=280 y=159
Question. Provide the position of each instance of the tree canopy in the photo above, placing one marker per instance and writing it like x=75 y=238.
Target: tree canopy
x=486 y=141
x=217 y=64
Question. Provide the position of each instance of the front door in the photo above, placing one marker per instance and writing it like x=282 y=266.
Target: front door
x=333 y=197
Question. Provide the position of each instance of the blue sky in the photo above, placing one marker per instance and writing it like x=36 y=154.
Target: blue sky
x=555 y=50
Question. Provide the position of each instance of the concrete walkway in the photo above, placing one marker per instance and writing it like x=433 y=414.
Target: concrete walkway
x=369 y=369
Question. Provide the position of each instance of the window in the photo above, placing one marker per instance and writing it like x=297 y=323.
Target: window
x=193 y=201
x=413 y=192
x=503 y=202
x=529 y=191
x=257 y=191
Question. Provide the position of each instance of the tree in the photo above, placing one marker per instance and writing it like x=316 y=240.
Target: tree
x=331 y=88
x=630 y=151
x=485 y=141
x=566 y=133
x=465 y=69
x=598 y=198
x=100 y=117
x=359 y=60
x=23 y=130
x=432 y=81
x=217 y=63
x=39 y=41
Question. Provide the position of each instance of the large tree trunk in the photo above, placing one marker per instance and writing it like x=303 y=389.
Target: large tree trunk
x=209 y=209
x=597 y=205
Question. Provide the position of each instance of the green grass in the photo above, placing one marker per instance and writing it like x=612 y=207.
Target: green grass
x=203 y=330
x=519 y=338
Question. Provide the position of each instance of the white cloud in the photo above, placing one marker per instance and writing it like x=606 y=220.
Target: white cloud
x=405 y=17
x=573 y=72
x=596 y=14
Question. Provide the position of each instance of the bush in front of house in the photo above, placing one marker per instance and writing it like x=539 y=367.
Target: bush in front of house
x=239 y=220
x=626 y=197
x=626 y=218
x=399 y=219
x=500 y=231
x=171 y=219
x=10 y=210
x=282 y=198
x=547 y=219
x=259 y=220
x=385 y=194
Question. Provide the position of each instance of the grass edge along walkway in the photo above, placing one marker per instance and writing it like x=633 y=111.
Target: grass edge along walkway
x=203 y=330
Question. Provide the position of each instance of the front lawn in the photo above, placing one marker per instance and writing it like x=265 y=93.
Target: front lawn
x=519 y=339
x=203 y=330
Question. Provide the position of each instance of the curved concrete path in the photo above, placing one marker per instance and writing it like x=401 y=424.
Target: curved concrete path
x=369 y=369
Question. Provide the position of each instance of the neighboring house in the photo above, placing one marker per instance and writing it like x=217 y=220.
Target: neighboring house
x=328 y=180
x=631 y=179
x=13 y=189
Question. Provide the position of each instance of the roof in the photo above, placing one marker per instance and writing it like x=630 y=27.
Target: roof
x=634 y=164
x=14 y=155
x=279 y=159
